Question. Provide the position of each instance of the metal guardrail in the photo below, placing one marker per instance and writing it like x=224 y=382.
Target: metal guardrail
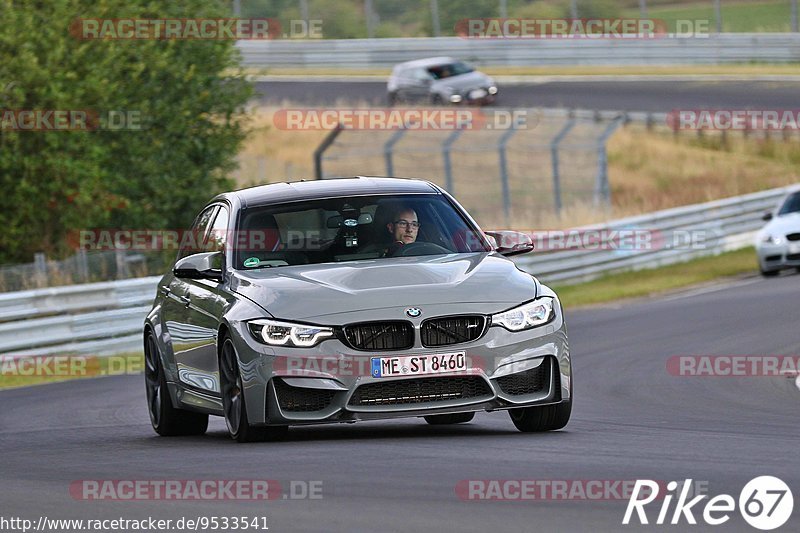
x=94 y=318
x=384 y=53
x=111 y=314
x=55 y=300
x=722 y=225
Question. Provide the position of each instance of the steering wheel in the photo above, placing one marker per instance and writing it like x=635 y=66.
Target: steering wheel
x=420 y=248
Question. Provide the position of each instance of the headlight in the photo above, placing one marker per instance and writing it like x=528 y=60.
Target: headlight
x=456 y=98
x=772 y=239
x=492 y=90
x=529 y=315
x=277 y=333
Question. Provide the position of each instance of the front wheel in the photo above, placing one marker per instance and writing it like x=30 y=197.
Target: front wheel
x=543 y=418
x=166 y=420
x=234 y=405
x=771 y=273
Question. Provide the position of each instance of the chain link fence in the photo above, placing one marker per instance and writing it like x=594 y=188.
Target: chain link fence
x=525 y=175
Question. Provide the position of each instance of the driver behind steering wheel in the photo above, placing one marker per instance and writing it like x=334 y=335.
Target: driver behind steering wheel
x=403 y=229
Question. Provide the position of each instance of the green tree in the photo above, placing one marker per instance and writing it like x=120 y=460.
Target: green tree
x=185 y=94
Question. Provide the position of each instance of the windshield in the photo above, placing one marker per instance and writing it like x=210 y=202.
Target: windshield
x=791 y=205
x=439 y=72
x=352 y=229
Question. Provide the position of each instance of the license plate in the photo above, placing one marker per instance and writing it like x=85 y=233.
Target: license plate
x=477 y=93
x=418 y=365
x=794 y=248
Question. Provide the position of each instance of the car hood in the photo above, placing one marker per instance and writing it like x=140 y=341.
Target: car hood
x=789 y=223
x=471 y=80
x=301 y=292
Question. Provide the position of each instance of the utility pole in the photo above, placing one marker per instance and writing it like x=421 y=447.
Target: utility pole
x=573 y=8
x=794 y=16
x=237 y=8
x=304 y=10
x=643 y=9
x=503 y=9
x=437 y=29
x=370 y=19
x=718 y=15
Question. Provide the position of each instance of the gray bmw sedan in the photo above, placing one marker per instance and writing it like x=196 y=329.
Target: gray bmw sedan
x=351 y=299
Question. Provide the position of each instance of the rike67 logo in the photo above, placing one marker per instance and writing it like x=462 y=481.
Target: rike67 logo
x=765 y=503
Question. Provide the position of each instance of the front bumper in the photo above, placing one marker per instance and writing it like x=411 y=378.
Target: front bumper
x=466 y=99
x=776 y=257
x=332 y=383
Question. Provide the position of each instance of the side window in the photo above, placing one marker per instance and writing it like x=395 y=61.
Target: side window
x=218 y=235
x=420 y=74
x=193 y=242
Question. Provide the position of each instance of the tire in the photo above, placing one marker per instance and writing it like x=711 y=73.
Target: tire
x=167 y=421
x=797 y=269
x=391 y=99
x=544 y=418
x=234 y=404
x=437 y=100
x=771 y=273
x=443 y=420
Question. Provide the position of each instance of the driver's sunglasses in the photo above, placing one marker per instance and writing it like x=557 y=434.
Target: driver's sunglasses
x=404 y=224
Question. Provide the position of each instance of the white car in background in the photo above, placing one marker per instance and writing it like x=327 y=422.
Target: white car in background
x=778 y=243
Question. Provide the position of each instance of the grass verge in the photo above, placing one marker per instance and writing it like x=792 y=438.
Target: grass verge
x=28 y=371
x=760 y=16
x=658 y=280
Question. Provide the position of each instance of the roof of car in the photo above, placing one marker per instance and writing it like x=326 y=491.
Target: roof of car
x=328 y=188
x=427 y=62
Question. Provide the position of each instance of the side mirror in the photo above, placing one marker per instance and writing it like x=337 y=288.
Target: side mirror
x=207 y=265
x=511 y=242
x=767 y=216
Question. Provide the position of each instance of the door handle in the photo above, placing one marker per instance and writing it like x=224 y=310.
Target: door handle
x=165 y=290
x=185 y=300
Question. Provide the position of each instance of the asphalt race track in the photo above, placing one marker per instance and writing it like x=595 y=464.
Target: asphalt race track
x=631 y=420
x=654 y=96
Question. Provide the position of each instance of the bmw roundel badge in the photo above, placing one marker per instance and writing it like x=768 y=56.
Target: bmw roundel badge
x=413 y=312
